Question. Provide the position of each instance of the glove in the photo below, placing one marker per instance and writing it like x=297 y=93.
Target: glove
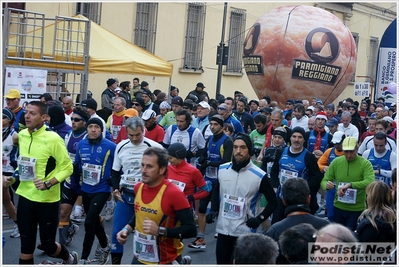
x=253 y=222
x=189 y=154
x=210 y=217
x=190 y=198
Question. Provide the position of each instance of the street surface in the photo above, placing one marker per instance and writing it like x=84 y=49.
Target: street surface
x=11 y=250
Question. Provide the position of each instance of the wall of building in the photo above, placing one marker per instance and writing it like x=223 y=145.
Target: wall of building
x=367 y=20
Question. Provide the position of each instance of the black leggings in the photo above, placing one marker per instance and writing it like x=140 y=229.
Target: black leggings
x=225 y=245
x=93 y=204
x=29 y=215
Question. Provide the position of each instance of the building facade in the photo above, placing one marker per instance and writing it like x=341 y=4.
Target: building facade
x=187 y=34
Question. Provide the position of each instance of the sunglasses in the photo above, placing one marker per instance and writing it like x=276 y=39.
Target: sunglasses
x=76 y=119
x=136 y=104
x=222 y=109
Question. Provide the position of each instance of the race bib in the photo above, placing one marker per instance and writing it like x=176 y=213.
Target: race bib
x=145 y=247
x=285 y=174
x=350 y=195
x=233 y=207
x=91 y=173
x=5 y=161
x=212 y=172
x=115 y=130
x=26 y=168
x=128 y=180
x=179 y=184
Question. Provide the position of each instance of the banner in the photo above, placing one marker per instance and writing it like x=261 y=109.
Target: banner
x=362 y=89
x=31 y=83
x=387 y=69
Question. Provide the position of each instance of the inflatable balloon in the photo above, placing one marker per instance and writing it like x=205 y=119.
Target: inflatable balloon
x=299 y=52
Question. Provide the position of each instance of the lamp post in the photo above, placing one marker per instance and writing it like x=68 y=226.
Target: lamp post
x=221 y=53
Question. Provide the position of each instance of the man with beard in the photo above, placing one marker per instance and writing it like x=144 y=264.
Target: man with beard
x=295 y=161
x=299 y=118
x=237 y=196
x=218 y=150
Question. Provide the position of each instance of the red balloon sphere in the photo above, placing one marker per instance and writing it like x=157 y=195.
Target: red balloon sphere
x=299 y=52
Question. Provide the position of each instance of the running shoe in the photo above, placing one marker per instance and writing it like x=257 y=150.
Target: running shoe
x=15 y=233
x=72 y=231
x=199 y=243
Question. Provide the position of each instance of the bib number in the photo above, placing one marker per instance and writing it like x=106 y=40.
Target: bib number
x=26 y=168
x=128 y=180
x=179 y=184
x=285 y=174
x=350 y=195
x=91 y=173
x=145 y=247
x=212 y=172
x=233 y=207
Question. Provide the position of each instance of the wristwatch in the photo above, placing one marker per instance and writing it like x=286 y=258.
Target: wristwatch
x=162 y=231
x=48 y=185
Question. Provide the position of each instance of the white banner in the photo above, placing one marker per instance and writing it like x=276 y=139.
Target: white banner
x=31 y=83
x=386 y=74
x=362 y=89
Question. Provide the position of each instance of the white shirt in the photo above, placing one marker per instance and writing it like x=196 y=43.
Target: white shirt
x=68 y=119
x=368 y=143
x=302 y=122
x=197 y=141
x=351 y=130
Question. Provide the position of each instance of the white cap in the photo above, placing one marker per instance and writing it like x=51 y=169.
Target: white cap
x=148 y=114
x=337 y=137
x=388 y=119
x=204 y=104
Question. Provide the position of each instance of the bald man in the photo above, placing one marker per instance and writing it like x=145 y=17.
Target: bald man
x=67 y=104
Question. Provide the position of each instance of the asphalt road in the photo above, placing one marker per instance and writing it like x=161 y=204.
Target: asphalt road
x=11 y=250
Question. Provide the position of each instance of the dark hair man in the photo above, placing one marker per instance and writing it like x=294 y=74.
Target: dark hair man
x=255 y=248
x=243 y=213
x=45 y=165
x=161 y=222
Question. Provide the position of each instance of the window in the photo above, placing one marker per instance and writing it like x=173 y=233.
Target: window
x=356 y=38
x=236 y=40
x=194 y=36
x=92 y=11
x=372 y=60
x=146 y=24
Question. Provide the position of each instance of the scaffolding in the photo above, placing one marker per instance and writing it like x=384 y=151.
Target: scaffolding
x=24 y=42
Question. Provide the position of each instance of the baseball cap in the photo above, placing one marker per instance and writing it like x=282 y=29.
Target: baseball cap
x=349 y=143
x=177 y=100
x=338 y=137
x=200 y=85
x=89 y=103
x=148 y=114
x=12 y=94
x=224 y=106
x=131 y=112
x=388 y=119
x=393 y=104
x=332 y=122
x=204 y=105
